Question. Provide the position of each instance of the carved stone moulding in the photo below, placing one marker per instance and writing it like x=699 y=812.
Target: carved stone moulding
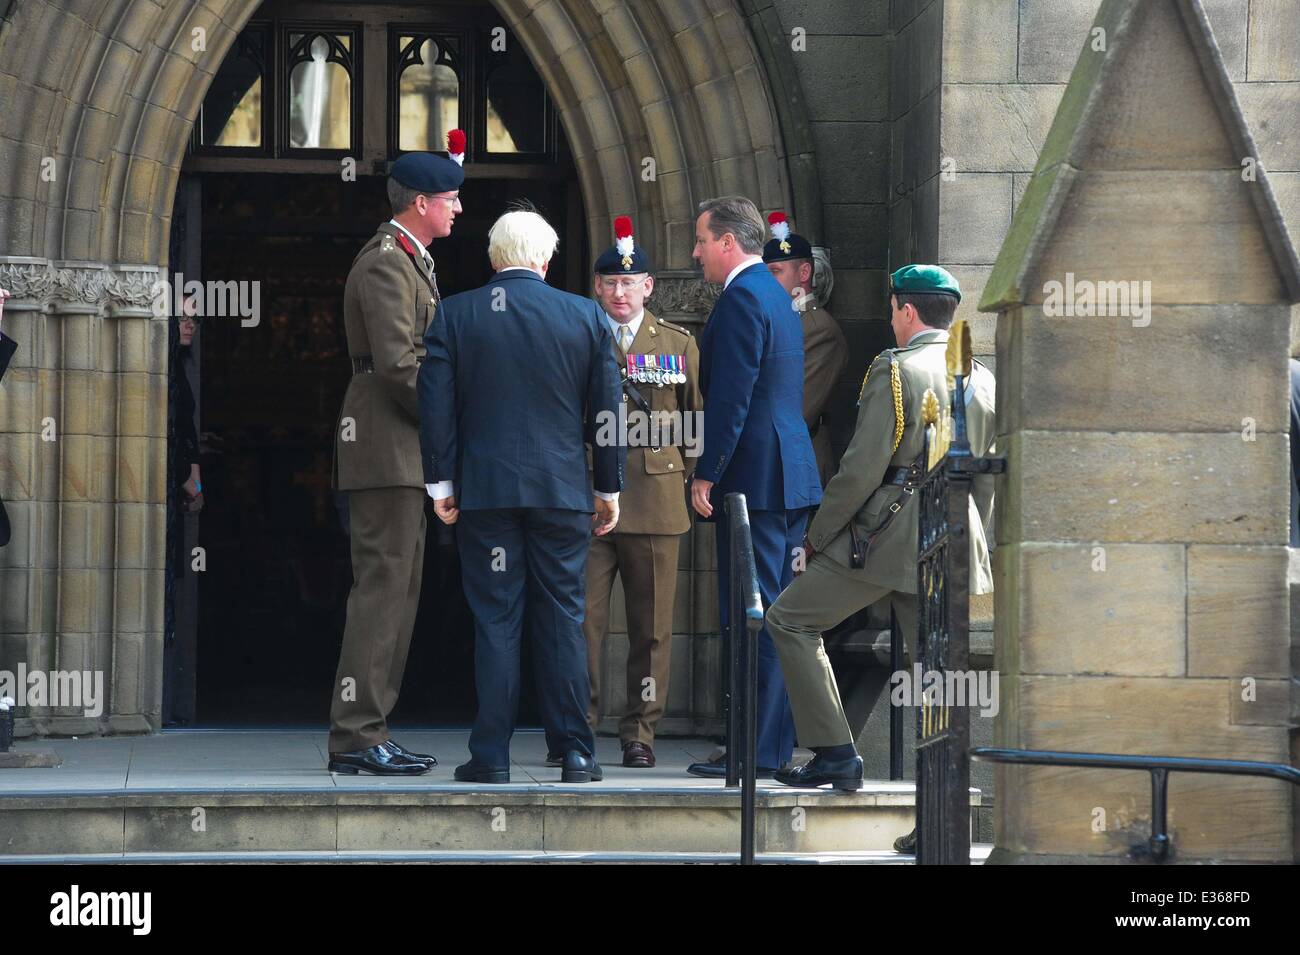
x=79 y=288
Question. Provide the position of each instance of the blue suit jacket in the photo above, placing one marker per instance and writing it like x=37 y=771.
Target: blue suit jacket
x=515 y=376
x=751 y=372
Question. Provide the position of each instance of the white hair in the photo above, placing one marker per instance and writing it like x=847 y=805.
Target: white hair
x=521 y=238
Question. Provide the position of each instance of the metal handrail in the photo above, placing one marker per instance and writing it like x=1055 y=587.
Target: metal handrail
x=1159 y=844
x=747 y=605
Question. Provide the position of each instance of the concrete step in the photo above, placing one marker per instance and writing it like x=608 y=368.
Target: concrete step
x=439 y=819
x=265 y=795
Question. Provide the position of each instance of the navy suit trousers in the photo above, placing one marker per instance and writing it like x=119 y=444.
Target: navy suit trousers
x=776 y=534
x=527 y=567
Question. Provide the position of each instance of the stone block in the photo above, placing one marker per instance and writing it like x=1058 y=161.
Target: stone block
x=850 y=75
x=971 y=279
x=853 y=159
x=1141 y=487
x=996 y=127
x=1080 y=374
x=1238 y=612
x=835 y=17
x=1274 y=44
x=1228 y=21
x=1125 y=607
x=1052 y=36
x=974 y=217
x=1169 y=228
x=1270 y=110
x=1259 y=702
x=980 y=41
x=856 y=234
x=86 y=467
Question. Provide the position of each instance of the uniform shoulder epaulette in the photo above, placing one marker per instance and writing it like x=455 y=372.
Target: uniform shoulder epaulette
x=677 y=328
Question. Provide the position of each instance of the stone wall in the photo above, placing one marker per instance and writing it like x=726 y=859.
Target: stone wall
x=1005 y=65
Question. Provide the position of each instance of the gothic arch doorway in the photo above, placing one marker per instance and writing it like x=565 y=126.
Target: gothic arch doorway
x=272 y=197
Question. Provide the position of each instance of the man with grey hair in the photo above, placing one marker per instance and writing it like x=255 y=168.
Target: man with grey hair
x=755 y=439
x=518 y=380
x=389 y=298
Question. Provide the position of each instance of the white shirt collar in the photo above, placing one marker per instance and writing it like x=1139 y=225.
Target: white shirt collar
x=926 y=331
x=752 y=260
x=633 y=323
x=522 y=268
x=419 y=246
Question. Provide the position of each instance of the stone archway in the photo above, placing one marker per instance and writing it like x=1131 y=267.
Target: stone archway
x=89 y=162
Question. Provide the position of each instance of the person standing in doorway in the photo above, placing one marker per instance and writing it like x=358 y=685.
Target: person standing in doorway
x=388 y=302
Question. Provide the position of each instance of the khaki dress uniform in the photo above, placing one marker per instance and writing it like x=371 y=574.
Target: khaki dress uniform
x=889 y=436
x=390 y=297
x=825 y=353
x=643 y=547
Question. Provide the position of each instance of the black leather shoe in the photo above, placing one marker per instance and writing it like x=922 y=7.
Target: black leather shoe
x=554 y=759
x=378 y=761
x=843 y=774
x=906 y=844
x=393 y=746
x=717 y=769
x=473 y=772
x=580 y=769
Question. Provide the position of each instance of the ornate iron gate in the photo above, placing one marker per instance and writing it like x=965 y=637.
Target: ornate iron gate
x=943 y=617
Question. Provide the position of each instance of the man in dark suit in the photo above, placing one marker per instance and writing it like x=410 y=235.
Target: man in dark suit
x=518 y=378
x=755 y=439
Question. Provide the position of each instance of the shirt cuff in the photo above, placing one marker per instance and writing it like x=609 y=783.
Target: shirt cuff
x=606 y=495
x=441 y=490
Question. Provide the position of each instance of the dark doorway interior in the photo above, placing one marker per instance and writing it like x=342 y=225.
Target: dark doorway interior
x=272 y=600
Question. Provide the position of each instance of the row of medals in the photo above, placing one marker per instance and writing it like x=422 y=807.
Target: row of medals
x=645 y=369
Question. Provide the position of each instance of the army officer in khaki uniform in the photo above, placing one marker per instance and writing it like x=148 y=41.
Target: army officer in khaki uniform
x=390 y=297
x=660 y=363
x=872 y=491
x=789 y=257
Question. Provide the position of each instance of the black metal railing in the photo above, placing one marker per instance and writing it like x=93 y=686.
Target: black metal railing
x=744 y=621
x=1159 y=846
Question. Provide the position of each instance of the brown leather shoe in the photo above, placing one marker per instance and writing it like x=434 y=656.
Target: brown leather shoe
x=638 y=755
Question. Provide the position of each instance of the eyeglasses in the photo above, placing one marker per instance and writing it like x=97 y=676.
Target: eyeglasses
x=610 y=285
x=452 y=199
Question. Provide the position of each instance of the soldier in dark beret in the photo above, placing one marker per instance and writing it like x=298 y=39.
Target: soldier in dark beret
x=789 y=257
x=390 y=297
x=660 y=365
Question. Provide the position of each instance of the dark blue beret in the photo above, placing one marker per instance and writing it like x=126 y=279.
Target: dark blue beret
x=611 y=262
x=428 y=172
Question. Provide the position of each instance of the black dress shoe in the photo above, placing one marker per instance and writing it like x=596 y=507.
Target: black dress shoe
x=378 y=761
x=473 y=772
x=393 y=746
x=554 y=759
x=717 y=769
x=580 y=769
x=906 y=844
x=843 y=774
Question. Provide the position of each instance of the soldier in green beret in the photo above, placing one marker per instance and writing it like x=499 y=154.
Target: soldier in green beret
x=862 y=545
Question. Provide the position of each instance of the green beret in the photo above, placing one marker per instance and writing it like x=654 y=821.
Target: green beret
x=924 y=280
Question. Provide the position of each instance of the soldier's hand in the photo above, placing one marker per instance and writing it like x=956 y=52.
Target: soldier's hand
x=606 y=516
x=446 y=510
x=700 y=497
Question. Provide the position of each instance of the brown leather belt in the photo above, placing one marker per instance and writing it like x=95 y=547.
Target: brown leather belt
x=365 y=364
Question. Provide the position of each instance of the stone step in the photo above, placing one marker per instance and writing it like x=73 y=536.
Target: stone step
x=440 y=819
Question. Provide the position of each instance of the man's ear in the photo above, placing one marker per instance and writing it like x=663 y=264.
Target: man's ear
x=806 y=276
x=649 y=285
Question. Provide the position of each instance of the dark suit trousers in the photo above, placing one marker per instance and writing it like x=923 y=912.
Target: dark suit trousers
x=527 y=567
x=776 y=534
x=387 y=531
